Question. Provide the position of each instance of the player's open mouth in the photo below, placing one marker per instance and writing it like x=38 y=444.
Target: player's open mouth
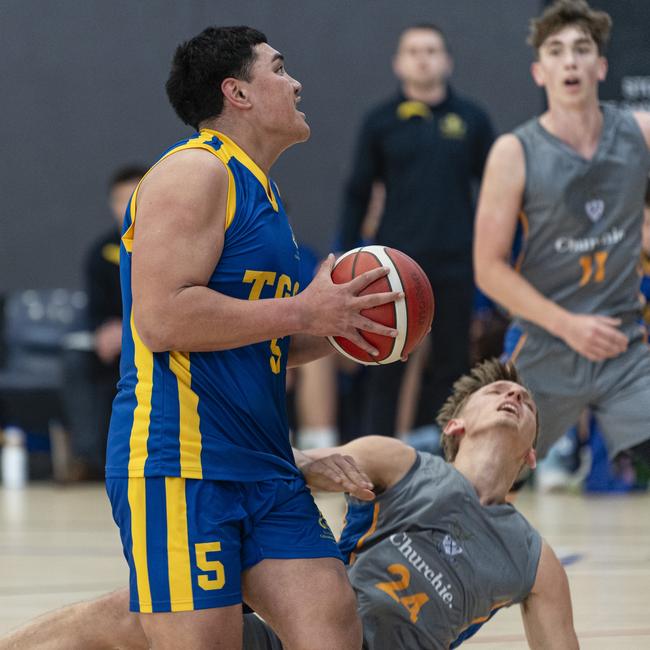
x=509 y=407
x=572 y=82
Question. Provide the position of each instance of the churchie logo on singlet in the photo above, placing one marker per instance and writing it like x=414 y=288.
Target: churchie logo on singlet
x=403 y=543
x=588 y=244
x=595 y=209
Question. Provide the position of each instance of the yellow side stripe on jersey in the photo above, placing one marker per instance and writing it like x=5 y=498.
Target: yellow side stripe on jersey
x=523 y=219
x=138 y=504
x=178 y=552
x=143 y=360
x=189 y=420
x=482 y=619
x=370 y=531
x=518 y=348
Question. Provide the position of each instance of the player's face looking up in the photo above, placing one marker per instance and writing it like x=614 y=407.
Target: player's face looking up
x=273 y=96
x=569 y=66
x=422 y=59
x=502 y=406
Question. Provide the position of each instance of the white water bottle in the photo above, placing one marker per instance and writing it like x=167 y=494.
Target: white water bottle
x=14 y=458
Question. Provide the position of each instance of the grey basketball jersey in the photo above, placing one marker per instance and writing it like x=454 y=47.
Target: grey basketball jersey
x=581 y=219
x=430 y=564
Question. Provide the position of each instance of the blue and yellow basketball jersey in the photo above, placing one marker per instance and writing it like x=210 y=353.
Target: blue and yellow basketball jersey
x=213 y=415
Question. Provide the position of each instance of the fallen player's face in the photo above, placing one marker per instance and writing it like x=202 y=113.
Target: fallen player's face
x=504 y=406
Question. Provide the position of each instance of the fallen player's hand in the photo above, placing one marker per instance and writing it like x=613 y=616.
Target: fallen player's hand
x=338 y=473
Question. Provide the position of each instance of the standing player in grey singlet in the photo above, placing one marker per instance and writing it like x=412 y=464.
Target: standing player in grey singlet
x=574 y=179
x=433 y=557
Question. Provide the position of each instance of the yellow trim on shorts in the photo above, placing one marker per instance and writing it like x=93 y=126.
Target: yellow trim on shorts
x=178 y=552
x=143 y=361
x=370 y=531
x=189 y=420
x=137 y=496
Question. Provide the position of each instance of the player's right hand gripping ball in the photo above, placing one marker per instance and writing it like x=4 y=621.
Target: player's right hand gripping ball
x=411 y=317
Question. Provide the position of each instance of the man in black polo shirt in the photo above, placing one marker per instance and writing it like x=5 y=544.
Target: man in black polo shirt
x=427 y=146
x=91 y=376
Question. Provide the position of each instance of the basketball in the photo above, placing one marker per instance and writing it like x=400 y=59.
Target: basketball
x=411 y=317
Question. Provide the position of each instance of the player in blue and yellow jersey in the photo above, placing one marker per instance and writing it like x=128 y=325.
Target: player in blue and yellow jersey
x=204 y=488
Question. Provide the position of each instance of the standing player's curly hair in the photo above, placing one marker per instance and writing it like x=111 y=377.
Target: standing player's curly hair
x=563 y=13
x=201 y=64
x=481 y=375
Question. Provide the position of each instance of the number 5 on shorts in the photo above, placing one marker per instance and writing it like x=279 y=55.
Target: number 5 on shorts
x=208 y=582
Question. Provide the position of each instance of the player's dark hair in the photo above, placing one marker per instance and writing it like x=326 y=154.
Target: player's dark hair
x=563 y=13
x=126 y=173
x=431 y=27
x=201 y=64
x=481 y=375
x=647 y=193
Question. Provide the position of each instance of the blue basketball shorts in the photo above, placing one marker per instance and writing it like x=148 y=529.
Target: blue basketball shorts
x=187 y=541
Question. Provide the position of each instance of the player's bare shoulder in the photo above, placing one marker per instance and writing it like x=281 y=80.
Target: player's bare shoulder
x=643 y=120
x=506 y=161
x=503 y=184
x=193 y=178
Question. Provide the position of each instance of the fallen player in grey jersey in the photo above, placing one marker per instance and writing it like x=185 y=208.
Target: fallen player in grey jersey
x=433 y=557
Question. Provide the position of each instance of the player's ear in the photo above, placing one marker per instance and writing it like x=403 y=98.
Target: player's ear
x=531 y=458
x=603 y=66
x=538 y=74
x=235 y=93
x=455 y=427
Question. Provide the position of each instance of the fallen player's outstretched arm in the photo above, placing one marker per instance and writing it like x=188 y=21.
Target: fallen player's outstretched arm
x=383 y=460
x=547 y=613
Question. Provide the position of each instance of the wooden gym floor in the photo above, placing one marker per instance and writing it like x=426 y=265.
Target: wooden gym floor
x=60 y=545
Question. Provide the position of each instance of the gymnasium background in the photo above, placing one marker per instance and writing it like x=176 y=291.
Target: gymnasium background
x=83 y=92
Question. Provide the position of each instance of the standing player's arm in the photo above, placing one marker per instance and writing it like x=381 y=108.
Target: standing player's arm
x=500 y=201
x=178 y=240
x=547 y=612
x=380 y=460
x=643 y=120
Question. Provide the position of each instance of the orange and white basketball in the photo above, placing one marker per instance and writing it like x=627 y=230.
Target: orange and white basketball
x=411 y=316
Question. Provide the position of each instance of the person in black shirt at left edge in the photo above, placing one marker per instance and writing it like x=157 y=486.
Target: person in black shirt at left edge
x=427 y=145
x=92 y=376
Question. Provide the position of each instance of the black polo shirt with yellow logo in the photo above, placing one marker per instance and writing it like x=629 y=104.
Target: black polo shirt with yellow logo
x=102 y=275
x=430 y=159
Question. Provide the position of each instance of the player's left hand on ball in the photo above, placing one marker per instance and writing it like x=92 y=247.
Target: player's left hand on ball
x=338 y=473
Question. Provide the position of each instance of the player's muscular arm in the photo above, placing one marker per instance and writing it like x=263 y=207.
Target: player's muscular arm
x=547 y=613
x=383 y=460
x=178 y=240
x=595 y=337
x=643 y=120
